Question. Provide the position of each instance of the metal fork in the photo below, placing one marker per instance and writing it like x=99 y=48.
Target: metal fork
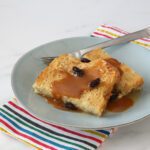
x=144 y=33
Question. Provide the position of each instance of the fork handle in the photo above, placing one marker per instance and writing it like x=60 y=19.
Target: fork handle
x=123 y=39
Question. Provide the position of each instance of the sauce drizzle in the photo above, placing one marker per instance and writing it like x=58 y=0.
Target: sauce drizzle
x=73 y=86
x=115 y=63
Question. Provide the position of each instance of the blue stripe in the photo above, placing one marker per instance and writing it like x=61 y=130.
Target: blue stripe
x=104 y=132
x=35 y=135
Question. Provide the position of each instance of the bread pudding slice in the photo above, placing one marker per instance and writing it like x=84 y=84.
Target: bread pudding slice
x=87 y=86
x=130 y=80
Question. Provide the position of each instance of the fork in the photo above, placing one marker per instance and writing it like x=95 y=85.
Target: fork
x=144 y=33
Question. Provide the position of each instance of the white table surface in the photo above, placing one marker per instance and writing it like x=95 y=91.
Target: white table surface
x=30 y=23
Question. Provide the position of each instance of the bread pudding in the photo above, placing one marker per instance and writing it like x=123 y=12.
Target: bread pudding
x=87 y=83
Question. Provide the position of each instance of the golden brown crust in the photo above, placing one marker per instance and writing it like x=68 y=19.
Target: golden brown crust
x=93 y=101
x=130 y=80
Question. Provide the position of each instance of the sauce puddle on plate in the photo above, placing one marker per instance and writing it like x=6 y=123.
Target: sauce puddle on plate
x=124 y=103
x=118 y=105
x=59 y=104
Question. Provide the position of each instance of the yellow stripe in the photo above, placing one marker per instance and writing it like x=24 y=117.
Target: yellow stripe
x=110 y=33
x=5 y=131
x=115 y=35
x=143 y=44
x=97 y=133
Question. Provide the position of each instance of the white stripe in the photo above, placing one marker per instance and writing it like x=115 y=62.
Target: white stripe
x=96 y=136
x=13 y=133
x=105 y=34
x=112 y=28
x=62 y=143
x=21 y=138
x=54 y=129
x=99 y=36
x=147 y=42
x=144 y=42
x=117 y=33
x=70 y=140
x=111 y=31
x=38 y=133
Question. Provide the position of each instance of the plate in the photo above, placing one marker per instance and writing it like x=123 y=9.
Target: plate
x=29 y=66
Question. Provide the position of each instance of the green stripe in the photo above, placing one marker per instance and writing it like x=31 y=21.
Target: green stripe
x=22 y=122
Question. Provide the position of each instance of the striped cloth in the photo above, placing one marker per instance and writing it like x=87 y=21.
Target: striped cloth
x=22 y=125
x=110 y=32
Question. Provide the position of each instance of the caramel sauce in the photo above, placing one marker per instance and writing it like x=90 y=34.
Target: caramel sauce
x=115 y=63
x=120 y=105
x=59 y=104
x=56 y=103
x=124 y=103
x=73 y=86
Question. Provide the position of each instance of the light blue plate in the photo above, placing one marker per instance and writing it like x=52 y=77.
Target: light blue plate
x=29 y=66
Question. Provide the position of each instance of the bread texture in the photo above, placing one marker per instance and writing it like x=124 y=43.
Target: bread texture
x=130 y=80
x=92 y=101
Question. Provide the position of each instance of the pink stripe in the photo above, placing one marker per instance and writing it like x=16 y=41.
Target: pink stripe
x=26 y=136
x=121 y=31
x=100 y=34
x=58 y=127
x=147 y=40
x=115 y=29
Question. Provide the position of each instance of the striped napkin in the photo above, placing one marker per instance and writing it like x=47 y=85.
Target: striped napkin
x=110 y=32
x=19 y=123
x=22 y=125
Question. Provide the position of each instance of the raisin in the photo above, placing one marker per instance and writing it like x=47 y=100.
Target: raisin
x=114 y=95
x=77 y=71
x=85 y=60
x=95 y=83
x=70 y=106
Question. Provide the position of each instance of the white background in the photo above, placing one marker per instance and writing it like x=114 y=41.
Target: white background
x=25 y=24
